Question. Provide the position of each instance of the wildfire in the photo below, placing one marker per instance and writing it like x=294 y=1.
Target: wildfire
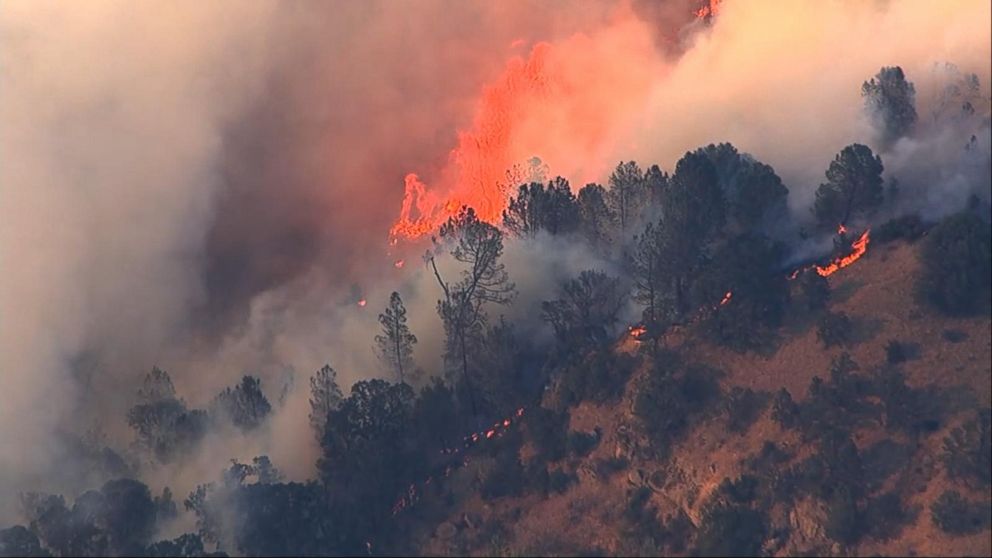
x=362 y=302
x=710 y=9
x=637 y=331
x=841 y=229
x=859 y=247
x=726 y=298
x=398 y=264
x=498 y=429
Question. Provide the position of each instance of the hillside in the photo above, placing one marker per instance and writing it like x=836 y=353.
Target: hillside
x=593 y=516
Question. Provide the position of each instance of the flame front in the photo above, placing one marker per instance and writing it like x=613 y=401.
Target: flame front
x=859 y=247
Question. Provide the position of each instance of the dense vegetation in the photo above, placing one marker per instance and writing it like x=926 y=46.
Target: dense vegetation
x=703 y=249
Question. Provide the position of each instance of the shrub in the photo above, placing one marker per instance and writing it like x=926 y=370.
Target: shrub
x=834 y=329
x=885 y=516
x=730 y=530
x=957 y=265
x=957 y=516
x=908 y=227
x=843 y=522
x=743 y=406
x=548 y=430
x=968 y=450
x=581 y=443
x=896 y=352
x=814 y=289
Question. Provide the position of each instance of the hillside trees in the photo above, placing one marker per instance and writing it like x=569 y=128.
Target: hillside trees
x=853 y=186
x=244 y=405
x=890 y=102
x=586 y=311
x=957 y=265
x=394 y=346
x=595 y=218
x=535 y=208
x=478 y=246
x=161 y=421
x=325 y=396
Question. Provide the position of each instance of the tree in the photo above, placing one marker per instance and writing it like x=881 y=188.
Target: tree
x=17 y=541
x=957 y=265
x=477 y=245
x=162 y=423
x=395 y=345
x=128 y=515
x=325 y=396
x=536 y=208
x=890 y=102
x=626 y=190
x=754 y=193
x=744 y=290
x=587 y=309
x=833 y=329
x=245 y=405
x=815 y=290
x=595 y=217
x=853 y=187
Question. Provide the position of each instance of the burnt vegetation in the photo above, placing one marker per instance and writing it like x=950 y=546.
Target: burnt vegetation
x=701 y=253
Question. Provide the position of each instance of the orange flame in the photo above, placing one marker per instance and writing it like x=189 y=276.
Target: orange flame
x=726 y=298
x=841 y=229
x=362 y=302
x=711 y=9
x=859 y=247
x=398 y=264
x=637 y=331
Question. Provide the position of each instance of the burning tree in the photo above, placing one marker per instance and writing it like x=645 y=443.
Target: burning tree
x=890 y=101
x=325 y=396
x=853 y=187
x=478 y=245
x=395 y=346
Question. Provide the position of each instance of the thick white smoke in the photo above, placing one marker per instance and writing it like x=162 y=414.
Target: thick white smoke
x=207 y=187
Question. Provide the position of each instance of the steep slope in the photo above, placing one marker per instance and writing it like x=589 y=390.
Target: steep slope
x=594 y=515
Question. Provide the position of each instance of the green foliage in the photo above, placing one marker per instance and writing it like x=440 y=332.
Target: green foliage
x=958 y=516
x=968 y=450
x=890 y=102
x=834 y=329
x=188 y=545
x=853 y=187
x=957 y=265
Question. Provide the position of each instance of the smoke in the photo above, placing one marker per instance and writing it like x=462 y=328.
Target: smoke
x=208 y=187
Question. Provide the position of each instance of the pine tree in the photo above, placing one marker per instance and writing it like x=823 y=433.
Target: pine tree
x=395 y=346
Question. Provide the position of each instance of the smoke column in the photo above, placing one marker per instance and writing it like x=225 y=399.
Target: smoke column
x=210 y=187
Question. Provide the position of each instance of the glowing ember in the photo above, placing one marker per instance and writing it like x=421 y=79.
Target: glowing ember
x=726 y=298
x=709 y=10
x=398 y=264
x=859 y=247
x=362 y=302
x=841 y=229
x=638 y=331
